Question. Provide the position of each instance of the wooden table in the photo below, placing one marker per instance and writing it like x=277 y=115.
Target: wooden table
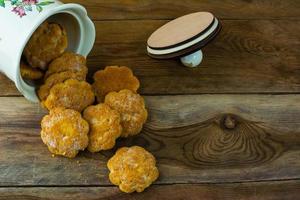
x=227 y=130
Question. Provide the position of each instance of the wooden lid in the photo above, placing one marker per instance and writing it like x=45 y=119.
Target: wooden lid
x=183 y=35
x=180 y=30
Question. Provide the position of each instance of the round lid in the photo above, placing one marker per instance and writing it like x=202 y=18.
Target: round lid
x=180 y=30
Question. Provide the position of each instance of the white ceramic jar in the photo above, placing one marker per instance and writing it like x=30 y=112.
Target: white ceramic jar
x=18 y=21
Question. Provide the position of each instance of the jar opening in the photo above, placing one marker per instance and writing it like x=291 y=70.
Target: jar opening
x=72 y=27
x=81 y=37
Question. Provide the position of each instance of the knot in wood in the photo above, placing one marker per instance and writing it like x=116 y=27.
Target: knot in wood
x=229 y=122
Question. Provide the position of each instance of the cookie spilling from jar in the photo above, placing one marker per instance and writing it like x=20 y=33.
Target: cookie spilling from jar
x=88 y=116
x=48 y=42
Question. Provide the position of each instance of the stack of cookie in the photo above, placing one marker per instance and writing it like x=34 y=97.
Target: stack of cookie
x=115 y=88
x=75 y=122
x=119 y=112
x=48 y=42
x=64 y=84
x=63 y=73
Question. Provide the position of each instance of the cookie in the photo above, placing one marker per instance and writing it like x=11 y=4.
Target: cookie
x=72 y=94
x=30 y=73
x=131 y=107
x=132 y=169
x=56 y=78
x=48 y=42
x=68 y=62
x=65 y=132
x=114 y=79
x=105 y=127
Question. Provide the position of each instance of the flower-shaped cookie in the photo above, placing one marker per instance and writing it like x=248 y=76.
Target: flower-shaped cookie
x=114 y=79
x=68 y=62
x=72 y=94
x=131 y=106
x=65 y=132
x=48 y=42
x=132 y=169
x=56 y=78
x=105 y=127
x=30 y=73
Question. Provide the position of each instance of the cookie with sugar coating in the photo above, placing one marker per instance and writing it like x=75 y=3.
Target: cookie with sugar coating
x=132 y=169
x=68 y=62
x=48 y=42
x=65 y=132
x=131 y=107
x=56 y=78
x=105 y=127
x=72 y=94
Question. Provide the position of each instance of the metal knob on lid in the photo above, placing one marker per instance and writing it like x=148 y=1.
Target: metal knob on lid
x=184 y=37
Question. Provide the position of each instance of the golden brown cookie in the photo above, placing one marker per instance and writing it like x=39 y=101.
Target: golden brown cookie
x=56 y=78
x=48 y=42
x=114 y=79
x=30 y=73
x=132 y=169
x=65 y=132
x=72 y=94
x=131 y=106
x=105 y=127
x=68 y=62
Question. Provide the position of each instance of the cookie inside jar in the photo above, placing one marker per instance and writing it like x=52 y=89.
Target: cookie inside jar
x=57 y=35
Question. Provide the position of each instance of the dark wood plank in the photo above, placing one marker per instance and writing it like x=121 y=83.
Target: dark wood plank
x=249 y=56
x=7 y=87
x=288 y=190
x=167 y=9
x=196 y=139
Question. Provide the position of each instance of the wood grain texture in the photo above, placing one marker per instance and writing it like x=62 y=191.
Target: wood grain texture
x=237 y=191
x=7 y=87
x=249 y=56
x=220 y=146
x=258 y=56
x=196 y=139
x=168 y=9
